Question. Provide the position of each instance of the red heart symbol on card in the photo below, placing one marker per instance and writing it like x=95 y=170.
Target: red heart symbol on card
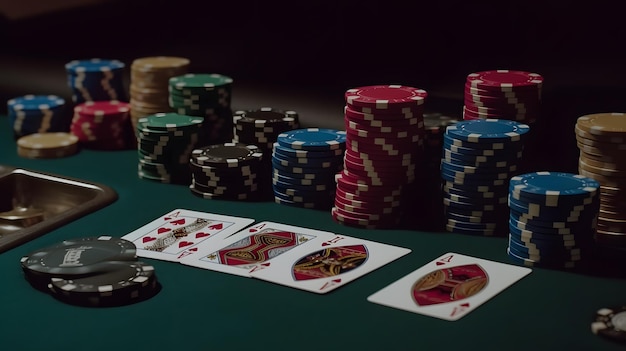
x=193 y=249
x=163 y=230
x=148 y=239
x=167 y=218
x=252 y=230
x=465 y=304
x=439 y=263
x=184 y=243
x=201 y=235
x=325 y=244
x=216 y=226
x=179 y=221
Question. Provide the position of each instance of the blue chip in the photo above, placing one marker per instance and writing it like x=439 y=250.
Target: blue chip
x=35 y=102
x=533 y=263
x=491 y=130
x=288 y=161
x=313 y=139
x=287 y=151
x=483 y=145
x=550 y=187
x=93 y=65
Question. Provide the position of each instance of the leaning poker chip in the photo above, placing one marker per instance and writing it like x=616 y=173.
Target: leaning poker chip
x=125 y=282
x=47 y=145
x=610 y=323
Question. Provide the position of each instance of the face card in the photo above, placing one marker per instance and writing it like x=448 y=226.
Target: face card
x=253 y=246
x=323 y=266
x=179 y=233
x=449 y=287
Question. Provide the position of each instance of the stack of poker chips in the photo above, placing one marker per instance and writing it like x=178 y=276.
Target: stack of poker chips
x=601 y=139
x=503 y=94
x=149 y=82
x=30 y=114
x=108 y=274
x=384 y=146
x=103 y=125
x=479 y=156
x=47 y=145
x=207 y=96
x=96 y=80
x=165 y=142
x=226 y=171
x=304 y=165
x=261 y=127
x=552 y=219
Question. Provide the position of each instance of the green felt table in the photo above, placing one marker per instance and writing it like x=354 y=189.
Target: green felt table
x=203 y=310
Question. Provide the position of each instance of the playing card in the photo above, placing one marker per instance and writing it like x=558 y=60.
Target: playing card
x=449 y=287
x=260 y=243
x=178 y=233
x=323 y=266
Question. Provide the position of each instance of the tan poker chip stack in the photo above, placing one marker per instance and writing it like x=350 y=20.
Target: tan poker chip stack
x=47 y=145
x=149 y=79
x=601 y=139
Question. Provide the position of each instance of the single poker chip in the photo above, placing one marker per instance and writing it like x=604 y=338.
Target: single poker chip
x=207 y=81
x=493 y=130
x=385 y=97
x=172 y=121
x=93 y=65
x=35 y=102
x=47 y=145
x=313 y=139
x=265 y=116
x=125 y=282
x=610 y=323
x=551 y=186
x=159 y=63
x=504 y=79
x=603 y=124
x=227 y=154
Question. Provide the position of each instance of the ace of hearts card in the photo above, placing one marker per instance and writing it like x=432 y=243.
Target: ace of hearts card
x=450 y=286
x=179 y=232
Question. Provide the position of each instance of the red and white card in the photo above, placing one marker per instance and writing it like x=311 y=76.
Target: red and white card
x=254 y=246
x=321 y=266
x=450 y=286
x=179 y=233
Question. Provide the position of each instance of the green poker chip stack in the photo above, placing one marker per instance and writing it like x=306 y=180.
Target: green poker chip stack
x=164 y=145
x=208 y=96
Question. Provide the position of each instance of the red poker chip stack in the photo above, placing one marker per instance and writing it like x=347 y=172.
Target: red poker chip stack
x=384 y=144
x=103 y=125
x=503 y=94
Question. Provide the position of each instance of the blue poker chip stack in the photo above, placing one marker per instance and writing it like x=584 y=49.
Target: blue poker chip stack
x=304 y=165
x=478 y=158
x=96 y=80
x=552 y=220
x=30 y=114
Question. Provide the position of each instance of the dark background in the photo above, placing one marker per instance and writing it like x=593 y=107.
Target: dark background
x=321 y=48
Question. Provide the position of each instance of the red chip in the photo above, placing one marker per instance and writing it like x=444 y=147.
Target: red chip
x=506 y=79
x=385 y=97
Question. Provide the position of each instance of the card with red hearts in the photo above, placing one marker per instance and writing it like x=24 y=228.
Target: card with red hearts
x=253 y=246
x=328 y=263
x=450 y=286
x=179 y=233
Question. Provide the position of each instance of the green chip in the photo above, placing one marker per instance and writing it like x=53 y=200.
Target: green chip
x=192 y=80
x=173 y=121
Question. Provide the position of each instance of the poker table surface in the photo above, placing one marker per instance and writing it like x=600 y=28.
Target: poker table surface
x=198 y=309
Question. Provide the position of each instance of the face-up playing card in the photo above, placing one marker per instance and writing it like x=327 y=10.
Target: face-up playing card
x=178 y=233
x=253 y=246
x=449 y=287
x=323 y=266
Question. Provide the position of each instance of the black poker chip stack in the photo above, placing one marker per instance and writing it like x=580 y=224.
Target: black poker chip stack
x=95 y=271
